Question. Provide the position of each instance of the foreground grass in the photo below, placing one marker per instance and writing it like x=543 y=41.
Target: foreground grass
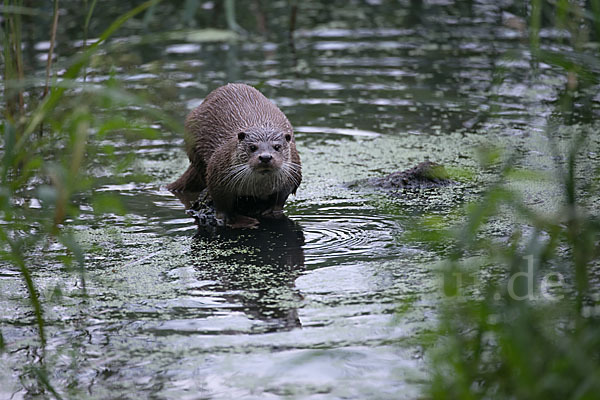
x=520 y=315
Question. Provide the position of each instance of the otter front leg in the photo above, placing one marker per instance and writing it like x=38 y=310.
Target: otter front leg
x=241 y=221
x=276 y=210
x=225 y=208
x=237 y=221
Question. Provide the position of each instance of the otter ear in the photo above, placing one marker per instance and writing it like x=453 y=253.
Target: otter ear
x=241 y=136
x=288 y=137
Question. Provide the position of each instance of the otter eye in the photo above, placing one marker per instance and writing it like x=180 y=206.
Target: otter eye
x=241 y=136
x=277 y=147
x=288 y=137
x=253 y=147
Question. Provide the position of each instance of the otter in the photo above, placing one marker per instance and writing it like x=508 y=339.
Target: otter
x=241 y=149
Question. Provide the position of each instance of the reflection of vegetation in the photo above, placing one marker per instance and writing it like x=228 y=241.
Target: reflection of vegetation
x=46 y=151
x=530 y=327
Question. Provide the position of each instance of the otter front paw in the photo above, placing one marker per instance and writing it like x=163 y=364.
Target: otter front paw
x=242 y=221
x=273 y=212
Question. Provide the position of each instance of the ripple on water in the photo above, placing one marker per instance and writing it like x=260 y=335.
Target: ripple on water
x=332 y=239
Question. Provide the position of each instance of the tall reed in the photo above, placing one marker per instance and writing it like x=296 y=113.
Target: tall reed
x=51 y=167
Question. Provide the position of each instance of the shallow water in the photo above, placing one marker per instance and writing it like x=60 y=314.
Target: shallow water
x=332 y=302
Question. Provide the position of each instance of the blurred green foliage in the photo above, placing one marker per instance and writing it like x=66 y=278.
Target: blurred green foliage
x=519 y=315
x=47 y=145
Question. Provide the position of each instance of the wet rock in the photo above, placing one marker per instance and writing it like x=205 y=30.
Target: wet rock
x=203 y=211
x=424 y=175
x=201 y=207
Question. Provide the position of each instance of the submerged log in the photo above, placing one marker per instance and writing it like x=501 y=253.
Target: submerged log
x=424 y=175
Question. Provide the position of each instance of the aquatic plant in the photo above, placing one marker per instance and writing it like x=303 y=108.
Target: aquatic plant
x=519 y=315
x=51 y=130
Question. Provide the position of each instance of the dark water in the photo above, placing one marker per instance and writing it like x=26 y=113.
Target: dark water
x=333 y=302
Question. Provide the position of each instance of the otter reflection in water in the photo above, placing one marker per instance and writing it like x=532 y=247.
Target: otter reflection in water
x=256 y=268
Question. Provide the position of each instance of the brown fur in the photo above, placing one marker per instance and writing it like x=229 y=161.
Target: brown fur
x=214 y=148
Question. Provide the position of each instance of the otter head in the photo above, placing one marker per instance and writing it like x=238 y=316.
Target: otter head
x=263 y=149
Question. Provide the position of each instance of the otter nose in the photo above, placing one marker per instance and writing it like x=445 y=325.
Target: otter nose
x=265 y=158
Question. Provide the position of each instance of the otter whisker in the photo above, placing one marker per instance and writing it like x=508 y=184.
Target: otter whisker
x=238 y=175
x=292 y=172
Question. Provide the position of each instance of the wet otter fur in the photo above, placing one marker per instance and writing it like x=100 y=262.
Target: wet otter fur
x=242 y=149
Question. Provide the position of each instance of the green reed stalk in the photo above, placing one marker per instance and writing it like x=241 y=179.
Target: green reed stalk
x=86 y=27
x=13 y=61
x=535 y=22
x=50 y=54
x=33 y=295
x=50 y=102
x=596 y=16
x=51 y=49
x=13 y=72
x=17 y=144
